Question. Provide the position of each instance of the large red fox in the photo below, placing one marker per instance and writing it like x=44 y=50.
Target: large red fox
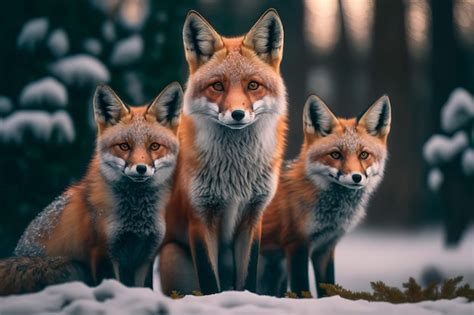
x=111 y=223
x=233 y=134
x=322 y=194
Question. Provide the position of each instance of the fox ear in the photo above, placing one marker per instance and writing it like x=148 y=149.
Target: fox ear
x=317 y=118
x=200 y=40
x=377 y=118
x=266 y=38
x=166 y=107
x=108 y=107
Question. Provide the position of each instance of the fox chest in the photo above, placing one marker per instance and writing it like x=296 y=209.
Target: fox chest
x=235 y=170
x=336 y=212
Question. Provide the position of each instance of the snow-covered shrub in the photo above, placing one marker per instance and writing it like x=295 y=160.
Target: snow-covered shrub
x=32 y=33
x=46 y=92
x=58 y=43
x=80 y=71
x=451 y=158
x=37 y=125
x=127 y=51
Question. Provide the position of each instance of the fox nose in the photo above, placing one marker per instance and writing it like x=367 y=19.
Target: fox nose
x=356 y=178
x=141 y=169
x=238 y=114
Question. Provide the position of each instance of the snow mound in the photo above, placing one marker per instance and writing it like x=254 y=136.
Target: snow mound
x=441 y=149
x=467 y=162
x=127 y=51
x=46 y=92
x=32 y=33
x=80 y=71
x=458 y=110
x=58 y=43
x=6 y=105
x=36 y=124
x=110 y=297
x=435 y=179
x=93 y=46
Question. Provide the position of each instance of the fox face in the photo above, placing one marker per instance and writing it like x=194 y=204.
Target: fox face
x=349 y=152
x=234 y=81
x=137 y=144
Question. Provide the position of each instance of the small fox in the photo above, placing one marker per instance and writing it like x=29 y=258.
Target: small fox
x=233 y=135
x=322 y=194
x=111 y=223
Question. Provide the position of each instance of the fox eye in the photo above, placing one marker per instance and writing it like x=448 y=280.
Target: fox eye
x=364 y=155
x=124 y=146
x=154 y=146
x=253 y=85
x=218 y=86
x=336 y=155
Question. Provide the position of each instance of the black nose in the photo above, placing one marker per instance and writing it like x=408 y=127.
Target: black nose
x=356 y=178
x=141 y=169
x=238 y=114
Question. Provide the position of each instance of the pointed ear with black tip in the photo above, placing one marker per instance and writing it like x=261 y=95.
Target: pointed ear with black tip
x=166 y=107
x=317 y=117
x=266 y=38
x=377 y=118
x=200 y=40
x=108 y=107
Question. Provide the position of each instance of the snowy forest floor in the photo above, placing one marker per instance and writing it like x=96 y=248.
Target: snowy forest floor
x=362 y=256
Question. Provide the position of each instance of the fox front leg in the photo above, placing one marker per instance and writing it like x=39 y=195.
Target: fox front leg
x=297 y=256
x=247 y=247
x=202 y=253
x=323 y=265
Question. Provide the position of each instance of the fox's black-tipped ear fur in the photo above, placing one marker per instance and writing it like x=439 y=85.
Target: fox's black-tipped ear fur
x=266 y=38
x=377 y=118
x=108 y=107
x=317 y=117
x=167 y=106
x=200 y=40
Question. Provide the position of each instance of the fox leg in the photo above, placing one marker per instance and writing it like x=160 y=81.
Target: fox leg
x=176 y=270
x=204 y=252
x=226 y=265
x=144 y=275
x=323 y=265
x=247 y=247
x=271 y=273
x=297 y=256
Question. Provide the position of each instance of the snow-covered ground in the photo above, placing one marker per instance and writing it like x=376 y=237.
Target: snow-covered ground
x=361 y=257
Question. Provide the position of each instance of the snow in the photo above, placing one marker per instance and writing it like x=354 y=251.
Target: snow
x=435 y=179
x=458 y=110
x=32 y=33
x=127 y=51
x=110 y=297
x=6 y=105
x=58 y=43
x=93 y=46
x=80 y=70
x=46 y=92
x=358 y=261
x=37 y=124
x=441 y=149
x=467 y=162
